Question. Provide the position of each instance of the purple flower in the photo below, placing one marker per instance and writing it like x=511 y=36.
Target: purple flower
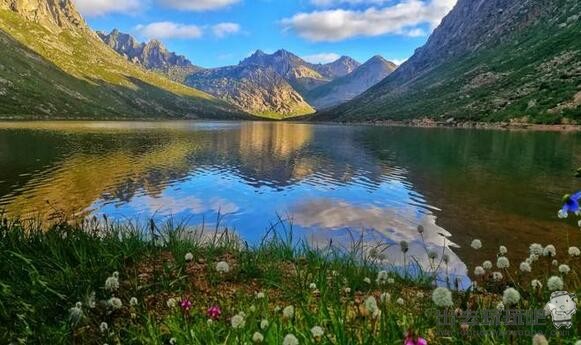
x=214 y=312
x=186 y=304
x=571 y=203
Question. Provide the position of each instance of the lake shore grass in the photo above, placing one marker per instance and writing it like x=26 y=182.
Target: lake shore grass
x=100 y=282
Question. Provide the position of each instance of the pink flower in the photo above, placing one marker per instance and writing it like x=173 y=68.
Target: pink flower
x=214 y=312
x=186 y=304
x=410 y=340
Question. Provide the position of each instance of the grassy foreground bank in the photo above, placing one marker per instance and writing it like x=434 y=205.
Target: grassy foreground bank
x=103 y=283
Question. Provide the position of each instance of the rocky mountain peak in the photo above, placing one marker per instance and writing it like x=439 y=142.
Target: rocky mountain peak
x=55 y=15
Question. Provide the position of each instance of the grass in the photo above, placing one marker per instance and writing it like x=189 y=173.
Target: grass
x=46 y=270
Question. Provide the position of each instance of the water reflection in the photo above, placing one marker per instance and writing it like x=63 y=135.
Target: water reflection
x=331 y=180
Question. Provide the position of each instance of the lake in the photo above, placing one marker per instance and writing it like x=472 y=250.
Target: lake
x=330 y=181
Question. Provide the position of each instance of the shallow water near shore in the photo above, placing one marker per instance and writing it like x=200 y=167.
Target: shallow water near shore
x=331 y=182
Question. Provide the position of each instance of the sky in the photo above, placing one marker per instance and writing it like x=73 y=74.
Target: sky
x=213 y=33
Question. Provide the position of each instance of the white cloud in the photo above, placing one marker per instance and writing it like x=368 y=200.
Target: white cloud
x=321 y=58
x=100 y=7
x=329 y=3
x=398 y=61
x=336 y=25
x=161 y=30
x=224 y=29
x=197 y=5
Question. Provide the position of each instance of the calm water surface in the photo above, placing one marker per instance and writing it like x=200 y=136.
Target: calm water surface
x=332 y=181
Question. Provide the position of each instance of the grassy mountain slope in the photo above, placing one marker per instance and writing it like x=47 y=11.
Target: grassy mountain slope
x=505 y=60
x=65 y=71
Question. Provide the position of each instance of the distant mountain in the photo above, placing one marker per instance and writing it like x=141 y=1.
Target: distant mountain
x=351 y=85
x=53 y=65
x=259 y=90
x=338 y=68
x=151 y=55
x=302 y=75
x=494 y=60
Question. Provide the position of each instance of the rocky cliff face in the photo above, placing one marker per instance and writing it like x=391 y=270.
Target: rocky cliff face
x=339 y=68
x=351 y=85
x=52 y=14
x=151 y=55
x=489 y=60
x=259 y=90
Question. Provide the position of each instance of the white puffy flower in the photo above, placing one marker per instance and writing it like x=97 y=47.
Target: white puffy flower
x=371 y=305
x=562 y=214
x=479 y=271
x=171 y=303
x=173 y=341
x=257 y=337
x=578 y=342
x=442 y=297
x=476 y=244
x=112 y=283
x=288 y=312
x=549 y=251
x=209 y=322
x=317 y=332
x=347 y=290
x=502 y=250
x=313 y=286
x=238 y=321
x=252 y=308
x=385 y=297
x=133 y=301
x=260 y=295
x=290 y=339
x=92 y=300
x=510 y=296
x=536 y=249
x=564 y=269
x=536 y=284
x=500 y=306
x=540 y=339
x=381 y=277
x=502 y=262
x=555 y=283
x=574 y=251
x=525 y=267
x=497 y=276
x=366 y=280
x=76 y=313
x=222 y=267
x=555 y=263
x=103 y=327
x=264 y=324
x=487 y=265
x=390 y=281
x=115 y=303
x=400 y=301
x=189 y=257
x=420 y=295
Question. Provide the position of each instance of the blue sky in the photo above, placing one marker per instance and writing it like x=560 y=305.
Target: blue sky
x=215 y=33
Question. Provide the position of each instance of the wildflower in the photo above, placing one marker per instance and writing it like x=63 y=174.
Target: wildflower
x=112 y=283
x=171 y=303
x=404 y=246
x=313 y=286
x=525 y=267
x=570 y=204
x=536 y=249
x=555 y=263
x=536 y=284
x=497 y=276
x=411 y=340
x=381 y=277
x=133 y=301
x=476 y=244
x=76 y=313
x=264 y=324
x=421 y=229
x=186 y=304
x=347 y=290
x=238 y=321
x=371 y=305
x=502 y=250
x=420 y=295
x=209 y=322
x=400 y=301
x=500 y=306
x=189 y=257
x=555 y=283
x=574 y=251
x=390 y=281
x=366 y=280
x=549 y=251
x=257 y=337
x=385 y=297
x=103 y=327
x=479 y=271
x=92 y=300
x=115 y=303
x=277 y=309
x=290 y=339
x=510 y=296
x=173 y=341
x=317 y=332
x=442 y=297
x=288 y=312
x=487 y=265
x=260 y=295
x=502 y=262
x=564 y=269
x=252 y=308
x=222 y=267
x=540 y=339
x=432 y=255
x=464 y=327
